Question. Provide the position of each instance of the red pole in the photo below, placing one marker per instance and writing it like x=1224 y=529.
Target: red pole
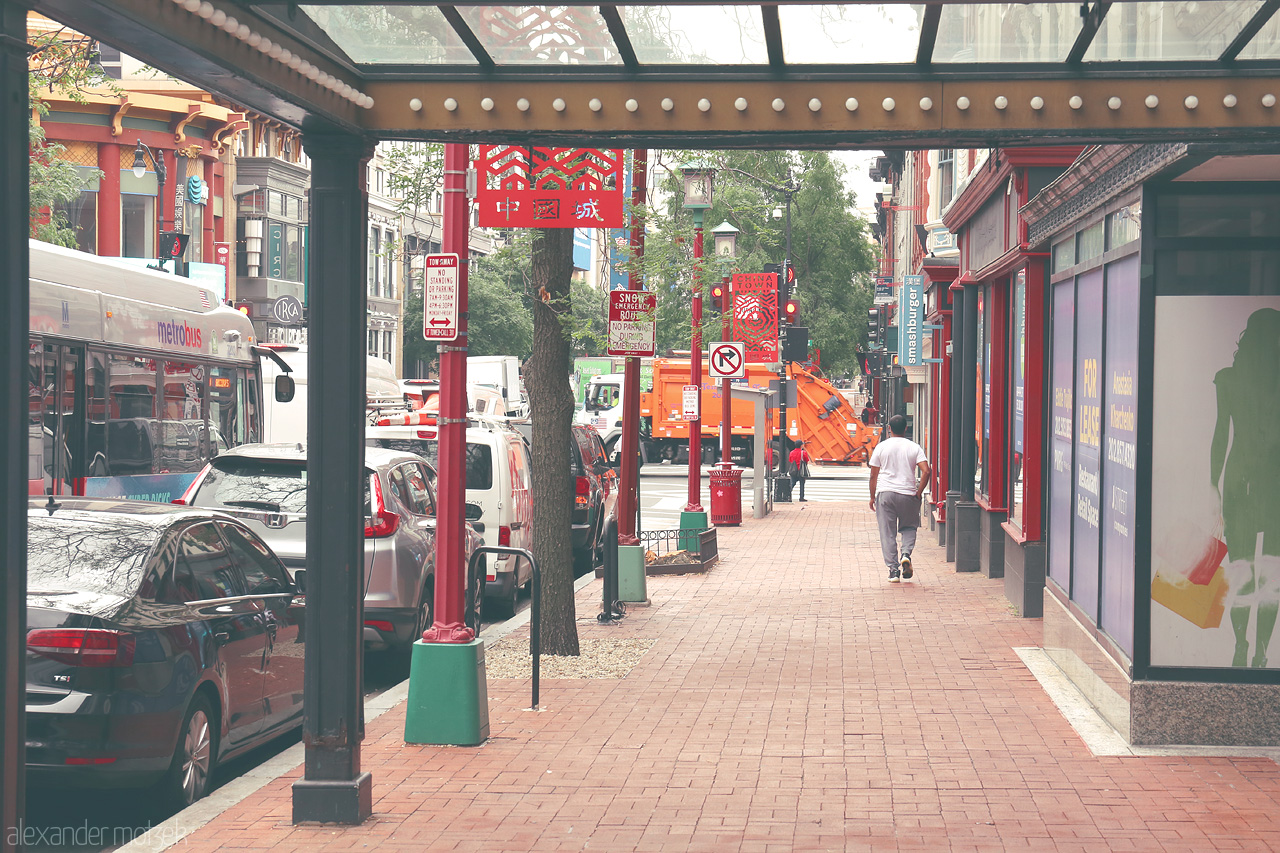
x=726 y=404
x=450 y=589
x=628 y=497
x=695 y=374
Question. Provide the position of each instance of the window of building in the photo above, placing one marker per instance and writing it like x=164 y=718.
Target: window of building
x=137 y=226
x=373 y=342
x=946 y=176
x=387 y=338
x=293 y=249
x=82 y=215
x=195 y=227
x=388 y=272
x=1064 y=254
x=371 y=286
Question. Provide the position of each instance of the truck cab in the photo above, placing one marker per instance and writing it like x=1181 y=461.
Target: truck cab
x=602 y=410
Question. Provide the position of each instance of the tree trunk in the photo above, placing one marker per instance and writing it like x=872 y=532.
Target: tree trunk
x=546 y=378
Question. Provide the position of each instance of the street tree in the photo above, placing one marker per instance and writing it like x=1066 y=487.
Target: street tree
x=61 y=62
x=546 y=379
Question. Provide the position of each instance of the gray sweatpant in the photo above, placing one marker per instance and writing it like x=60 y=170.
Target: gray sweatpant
x=897 y=513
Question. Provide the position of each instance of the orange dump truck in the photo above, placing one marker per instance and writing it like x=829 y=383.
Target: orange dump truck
x=823 y=418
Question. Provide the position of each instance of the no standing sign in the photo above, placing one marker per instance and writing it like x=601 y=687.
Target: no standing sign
x=440 y=298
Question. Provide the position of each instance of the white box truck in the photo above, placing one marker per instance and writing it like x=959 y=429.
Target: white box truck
x=503 y=373
x=287 y=422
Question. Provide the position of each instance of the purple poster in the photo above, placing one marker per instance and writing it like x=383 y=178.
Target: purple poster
x=1120 y=443
x=1062 y=382
x=981 y=429
x=1019 y=358
x=1088 y=444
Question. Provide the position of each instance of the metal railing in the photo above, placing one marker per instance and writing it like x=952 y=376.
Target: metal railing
x=535 y=604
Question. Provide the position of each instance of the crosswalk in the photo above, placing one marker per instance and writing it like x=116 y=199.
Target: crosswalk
x=663 y=498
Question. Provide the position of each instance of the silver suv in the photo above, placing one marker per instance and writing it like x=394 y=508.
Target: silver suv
x=265 y=486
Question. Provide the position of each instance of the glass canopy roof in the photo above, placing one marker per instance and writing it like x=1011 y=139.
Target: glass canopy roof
x=725 y=38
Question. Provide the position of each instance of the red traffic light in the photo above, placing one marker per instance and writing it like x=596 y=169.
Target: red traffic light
x=245 y=308
x=717 y=296
x=792 y=310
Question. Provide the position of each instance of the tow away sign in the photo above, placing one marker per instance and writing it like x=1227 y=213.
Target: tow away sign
x=632 y=322
x=440 y=298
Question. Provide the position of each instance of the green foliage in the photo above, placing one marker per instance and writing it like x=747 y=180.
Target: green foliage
x=59 y=62
x=831 y=249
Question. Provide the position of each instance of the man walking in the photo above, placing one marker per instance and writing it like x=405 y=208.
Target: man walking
x=895 y=497
x=799 y=459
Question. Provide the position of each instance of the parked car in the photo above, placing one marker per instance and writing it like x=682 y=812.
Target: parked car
x=595 y=491
x=161 y=640
x=497 y=492
x=265 y=486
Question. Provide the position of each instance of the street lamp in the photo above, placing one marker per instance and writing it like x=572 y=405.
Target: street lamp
x=698 y=182
x=788 y=190
x=726 y=243
x=140 y=169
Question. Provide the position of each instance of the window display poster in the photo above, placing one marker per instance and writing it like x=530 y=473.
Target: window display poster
x=1120 y=446
x=1062 y=380
x=1215 y=482
x=980 y=428
x=1088 y=444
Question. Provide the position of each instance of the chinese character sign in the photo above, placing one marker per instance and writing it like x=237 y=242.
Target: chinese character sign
x=523 y=187
x=755 y=315
x=911 y=321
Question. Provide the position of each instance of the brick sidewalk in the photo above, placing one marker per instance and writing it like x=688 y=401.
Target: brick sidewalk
x=792 y=700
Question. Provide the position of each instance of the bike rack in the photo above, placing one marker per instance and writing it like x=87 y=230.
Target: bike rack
x=611 y=609
x=535 y=603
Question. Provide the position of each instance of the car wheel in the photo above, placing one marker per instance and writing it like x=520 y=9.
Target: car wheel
x=194 y=758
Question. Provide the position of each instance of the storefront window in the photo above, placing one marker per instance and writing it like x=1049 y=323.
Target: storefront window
x=1089 y=243
x=1018 y=371
x=1124 y=225
x=1064 y=254
x=982 y=391
x=82 y=215
x=195 y=227
x=137 y=226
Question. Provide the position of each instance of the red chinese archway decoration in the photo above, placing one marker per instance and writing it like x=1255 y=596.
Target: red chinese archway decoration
x=523 y=187
x=755 y=315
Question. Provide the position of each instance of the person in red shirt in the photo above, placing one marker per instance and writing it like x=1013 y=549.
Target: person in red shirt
x=799 y=459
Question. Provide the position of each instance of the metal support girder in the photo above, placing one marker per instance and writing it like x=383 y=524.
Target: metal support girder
x=332 y=789
x=968 y=394
x=14 y=319
x=168 y=37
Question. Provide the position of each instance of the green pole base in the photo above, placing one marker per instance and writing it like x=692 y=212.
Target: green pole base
x=448 y=695
x=631 y=583
x=692 y=521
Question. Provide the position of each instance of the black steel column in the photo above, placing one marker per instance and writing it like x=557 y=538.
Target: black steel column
x=332 y=789
x=15 y=115
x=954 y=451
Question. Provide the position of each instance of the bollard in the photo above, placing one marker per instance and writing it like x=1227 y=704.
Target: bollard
x=535 y=602
x=611 y=608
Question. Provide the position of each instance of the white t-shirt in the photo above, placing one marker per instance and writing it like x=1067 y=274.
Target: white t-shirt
x=898 y=459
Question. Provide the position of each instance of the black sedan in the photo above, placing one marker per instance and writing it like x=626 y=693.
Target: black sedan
x=161 y=640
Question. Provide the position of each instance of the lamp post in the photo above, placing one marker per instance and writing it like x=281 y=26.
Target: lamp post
x=788 y=190
x=697 y=198
x=726 y=245
x=140 y=169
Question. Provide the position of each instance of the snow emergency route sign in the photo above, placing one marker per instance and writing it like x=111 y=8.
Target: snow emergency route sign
x=440 y=298
x=633 y=322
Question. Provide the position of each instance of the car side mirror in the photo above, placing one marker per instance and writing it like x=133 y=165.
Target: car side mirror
x=300 y=580
x=477 y=526
x=284 y=388
x=600 y=466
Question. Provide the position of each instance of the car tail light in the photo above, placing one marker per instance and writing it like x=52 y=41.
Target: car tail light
x=383 y=523
x=504 y=536
x=381 y=624
x=582 y=489
x=82 y=646
x=189 y=496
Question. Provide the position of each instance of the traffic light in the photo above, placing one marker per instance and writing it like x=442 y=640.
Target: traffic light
x=792 y=310
x=245 y=308
x=718 y=296
x=173 y=244
x=795 y=343
x=874 y=316
x=790 y=272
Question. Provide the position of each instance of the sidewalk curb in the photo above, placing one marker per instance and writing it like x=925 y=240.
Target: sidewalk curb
x=170 y=832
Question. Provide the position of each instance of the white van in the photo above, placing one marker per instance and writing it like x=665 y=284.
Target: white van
x=501 y=373
x=498 y=482
x=287 y=422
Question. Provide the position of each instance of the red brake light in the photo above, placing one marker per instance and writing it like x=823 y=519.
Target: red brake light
x=384 y=523
x=82 y=646
x=582 y=487
x=381 y=625
x=504 y=536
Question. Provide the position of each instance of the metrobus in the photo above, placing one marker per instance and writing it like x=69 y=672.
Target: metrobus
x=136 y=378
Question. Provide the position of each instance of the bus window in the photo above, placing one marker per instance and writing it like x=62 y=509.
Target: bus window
x=226 y=419
x=132 y=423
x=96 y=404
x=184 y=433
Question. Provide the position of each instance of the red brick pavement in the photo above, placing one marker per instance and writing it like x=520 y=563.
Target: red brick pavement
x=793 y=700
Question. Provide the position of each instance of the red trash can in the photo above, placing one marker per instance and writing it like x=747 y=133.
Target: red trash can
x=726 y=495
